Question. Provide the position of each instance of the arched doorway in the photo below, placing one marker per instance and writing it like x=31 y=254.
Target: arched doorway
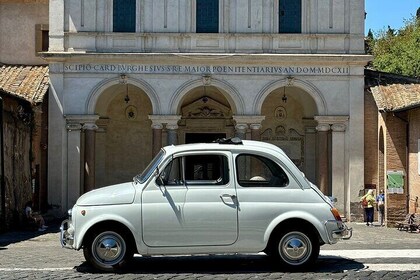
x=124 y=135
x=289 y=123
x=206 y=115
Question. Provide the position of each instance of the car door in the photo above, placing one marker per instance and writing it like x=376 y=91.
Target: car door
x=192 y=203
x=211 y=206
x=266 y=190
x=162 y=203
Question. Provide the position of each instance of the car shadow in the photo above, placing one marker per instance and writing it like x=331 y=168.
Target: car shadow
x=221 y=264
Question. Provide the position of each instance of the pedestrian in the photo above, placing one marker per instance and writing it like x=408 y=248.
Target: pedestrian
x=35 y=217
x=380 y=207
x=368 y=202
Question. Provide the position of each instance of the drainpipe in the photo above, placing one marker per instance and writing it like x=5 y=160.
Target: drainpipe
x=2 y=181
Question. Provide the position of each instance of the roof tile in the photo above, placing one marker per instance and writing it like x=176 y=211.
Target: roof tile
x=26 y=82
x=393 y=92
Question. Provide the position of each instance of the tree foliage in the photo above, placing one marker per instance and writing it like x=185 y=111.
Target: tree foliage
x=397 y=51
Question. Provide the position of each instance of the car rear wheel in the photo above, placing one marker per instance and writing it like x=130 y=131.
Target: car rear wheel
x=107 y=250
x=296 y=249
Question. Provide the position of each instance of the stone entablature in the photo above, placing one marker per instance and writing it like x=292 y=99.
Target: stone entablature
x=217 y=43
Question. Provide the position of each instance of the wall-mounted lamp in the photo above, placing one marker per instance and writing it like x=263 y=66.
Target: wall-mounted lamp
x=289 y=83
x=123 y=80
x=284 y=98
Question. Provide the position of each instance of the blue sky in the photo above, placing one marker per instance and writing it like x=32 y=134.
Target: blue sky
x=381 y=13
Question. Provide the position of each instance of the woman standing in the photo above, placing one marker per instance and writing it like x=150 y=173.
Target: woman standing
x=380 y=206
x=368 y=203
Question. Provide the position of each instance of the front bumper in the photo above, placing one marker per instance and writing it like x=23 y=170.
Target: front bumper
x=67 y=234
x=337 y=230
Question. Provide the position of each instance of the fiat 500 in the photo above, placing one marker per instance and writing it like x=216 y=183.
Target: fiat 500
x=218 y=198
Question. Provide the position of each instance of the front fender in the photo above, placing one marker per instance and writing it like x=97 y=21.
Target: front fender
x=308 y=217
x=85 y=223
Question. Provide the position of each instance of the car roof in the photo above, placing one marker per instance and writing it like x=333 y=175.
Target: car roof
x=244 y=145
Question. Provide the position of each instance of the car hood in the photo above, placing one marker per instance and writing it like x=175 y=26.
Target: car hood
x=115 y=194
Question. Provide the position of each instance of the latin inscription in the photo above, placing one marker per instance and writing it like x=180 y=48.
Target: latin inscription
x=205 y=69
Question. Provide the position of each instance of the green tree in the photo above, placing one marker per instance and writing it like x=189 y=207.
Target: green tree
x=397 y=51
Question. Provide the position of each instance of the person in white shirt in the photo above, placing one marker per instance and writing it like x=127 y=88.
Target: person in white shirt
x=37 y=218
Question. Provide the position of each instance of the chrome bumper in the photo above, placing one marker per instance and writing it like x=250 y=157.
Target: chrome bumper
x=338 y=230
x=66 y=234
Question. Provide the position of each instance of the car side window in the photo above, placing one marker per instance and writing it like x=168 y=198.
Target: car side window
x=259 y=171
x=206 y=170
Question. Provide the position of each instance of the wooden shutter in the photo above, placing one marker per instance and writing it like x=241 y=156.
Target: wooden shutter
x=290 y=16
x=124 y=15
x=207 y=16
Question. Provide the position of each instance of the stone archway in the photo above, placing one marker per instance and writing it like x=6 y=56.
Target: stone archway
x=230 y=94
x=310 y=89
x=206 y=114
x=289 y=123
x=124 y=136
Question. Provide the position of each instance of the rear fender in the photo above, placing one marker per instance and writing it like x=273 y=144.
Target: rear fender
x=296 y=215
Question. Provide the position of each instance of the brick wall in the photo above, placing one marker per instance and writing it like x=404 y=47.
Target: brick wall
x=394 y=128
x=396 y=141
x=396 y=159
x=395 y=208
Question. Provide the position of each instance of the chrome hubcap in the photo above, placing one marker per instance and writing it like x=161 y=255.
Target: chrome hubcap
x=295 y=248
x=109 y=248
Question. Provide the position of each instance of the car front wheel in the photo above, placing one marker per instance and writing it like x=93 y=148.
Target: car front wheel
x=296 y=249
x=107 y=250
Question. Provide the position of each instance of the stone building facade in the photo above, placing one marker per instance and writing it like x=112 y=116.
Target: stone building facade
x=128 y=77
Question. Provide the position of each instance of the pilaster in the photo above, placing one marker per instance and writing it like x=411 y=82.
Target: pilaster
x=73 y=162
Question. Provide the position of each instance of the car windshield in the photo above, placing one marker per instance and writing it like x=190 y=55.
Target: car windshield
x=141 y=178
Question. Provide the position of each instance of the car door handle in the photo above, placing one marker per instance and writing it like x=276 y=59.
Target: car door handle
x=232 y=196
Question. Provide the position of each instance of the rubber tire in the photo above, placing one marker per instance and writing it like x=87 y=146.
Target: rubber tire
x=296 y=249
x=95 y=252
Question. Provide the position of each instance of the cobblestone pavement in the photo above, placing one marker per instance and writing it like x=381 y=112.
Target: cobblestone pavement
x=32 y=255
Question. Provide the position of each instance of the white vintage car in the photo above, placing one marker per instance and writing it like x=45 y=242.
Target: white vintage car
x=228 y=197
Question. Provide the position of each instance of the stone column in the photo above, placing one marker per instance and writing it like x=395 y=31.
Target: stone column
x=338 y=165
x=256 y=132
x=100 y=155
x=172 y=130
x=248 y=121
x=323 y=157
x=171 y=122
x=240 y=130
x=157 y=138
x=339 y=169
x=72 y=192
x=89 y=162
x=310 y=153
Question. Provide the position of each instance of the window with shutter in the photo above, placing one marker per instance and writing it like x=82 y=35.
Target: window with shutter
x=290 y=16
x=124 y=15
x=207 y=16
